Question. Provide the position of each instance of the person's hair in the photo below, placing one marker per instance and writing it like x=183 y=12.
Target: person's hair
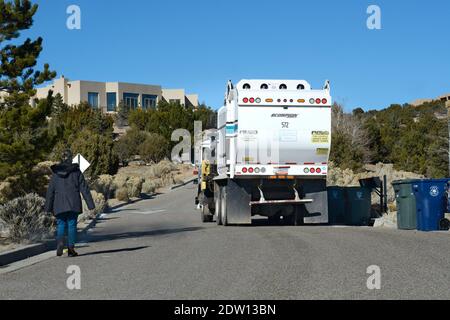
x=66 y=156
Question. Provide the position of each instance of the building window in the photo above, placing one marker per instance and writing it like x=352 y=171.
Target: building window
x=131 y=100
x=111 y=101
x=93 y=99
x=149 y=101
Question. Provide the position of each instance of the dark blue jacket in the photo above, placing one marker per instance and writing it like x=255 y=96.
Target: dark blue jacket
x=63 y=194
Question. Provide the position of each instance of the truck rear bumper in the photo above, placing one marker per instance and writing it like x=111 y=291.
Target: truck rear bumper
x=247 y=197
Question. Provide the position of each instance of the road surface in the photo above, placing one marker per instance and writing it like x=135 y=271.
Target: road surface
x=158 y=249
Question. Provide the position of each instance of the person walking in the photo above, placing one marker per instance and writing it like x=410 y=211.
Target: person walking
x=64 y=201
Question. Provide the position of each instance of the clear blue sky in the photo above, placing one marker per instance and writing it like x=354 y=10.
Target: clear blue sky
x=200 y=44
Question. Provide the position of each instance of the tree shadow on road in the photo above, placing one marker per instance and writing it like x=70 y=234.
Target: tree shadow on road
x=113 y=251
x=128 y=235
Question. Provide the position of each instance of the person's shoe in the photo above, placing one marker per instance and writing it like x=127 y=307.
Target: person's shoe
x=60 y=248
x=72 y=252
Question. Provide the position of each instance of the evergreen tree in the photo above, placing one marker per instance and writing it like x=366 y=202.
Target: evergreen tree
x=18 y=76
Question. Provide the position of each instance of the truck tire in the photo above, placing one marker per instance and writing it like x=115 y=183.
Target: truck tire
x=223 y=210
x=218 y=205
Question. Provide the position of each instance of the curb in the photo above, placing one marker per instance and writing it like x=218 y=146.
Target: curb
x=8 y=257
x=183 y=184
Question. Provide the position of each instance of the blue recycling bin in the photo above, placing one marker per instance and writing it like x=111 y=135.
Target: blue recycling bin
x=430 y=202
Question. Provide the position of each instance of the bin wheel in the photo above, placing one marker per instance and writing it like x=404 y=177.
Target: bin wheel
x=444 y=225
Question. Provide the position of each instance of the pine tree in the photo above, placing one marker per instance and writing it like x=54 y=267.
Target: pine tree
x=18 y=76
x=24 y=136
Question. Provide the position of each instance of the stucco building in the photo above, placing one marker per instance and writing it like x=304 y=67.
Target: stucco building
x=107 y=95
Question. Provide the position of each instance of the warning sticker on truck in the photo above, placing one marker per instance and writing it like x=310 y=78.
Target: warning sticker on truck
x=321 y=151
x=320 y=137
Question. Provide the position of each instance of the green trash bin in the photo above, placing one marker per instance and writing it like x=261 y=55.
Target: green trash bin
x=406 y=204
x=336 y=205
x=359 y=202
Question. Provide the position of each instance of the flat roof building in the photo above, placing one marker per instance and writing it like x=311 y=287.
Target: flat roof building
x=418 y=102
x=107 y=95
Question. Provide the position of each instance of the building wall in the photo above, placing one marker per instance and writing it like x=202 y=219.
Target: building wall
x=138 y=89
x=174 y=94
x=74 y=92
x=96 y=87
x=192 y=100
x=58 y=86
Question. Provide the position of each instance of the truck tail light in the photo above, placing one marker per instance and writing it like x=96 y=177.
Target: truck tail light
x=245 y=100
x=244 y=170
x=318 y=170
x=312 y=170
x=250 y=170
x=252 y=100
x=318 y=101
x=324 y=101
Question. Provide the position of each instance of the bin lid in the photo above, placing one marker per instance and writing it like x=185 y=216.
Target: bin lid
x=406 y=181
x=444 y=180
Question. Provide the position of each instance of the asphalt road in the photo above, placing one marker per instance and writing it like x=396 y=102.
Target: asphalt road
x=158 y=249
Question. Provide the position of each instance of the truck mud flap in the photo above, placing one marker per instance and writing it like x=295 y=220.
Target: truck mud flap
x=237 y=202
x=316 y=212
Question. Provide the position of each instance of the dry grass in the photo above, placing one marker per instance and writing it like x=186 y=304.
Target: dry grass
x=122 y=194
x=104 y=185
x=100 y=206
x=134 y=186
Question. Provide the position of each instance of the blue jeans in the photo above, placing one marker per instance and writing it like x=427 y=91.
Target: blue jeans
x=70 y=220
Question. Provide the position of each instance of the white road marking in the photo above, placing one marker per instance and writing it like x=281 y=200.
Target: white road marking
x=147 y=212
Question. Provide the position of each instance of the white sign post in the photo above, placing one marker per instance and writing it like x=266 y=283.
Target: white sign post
x=82 y=162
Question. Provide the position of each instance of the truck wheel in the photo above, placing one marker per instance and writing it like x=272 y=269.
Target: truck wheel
x=224 y=205
x=218 y=205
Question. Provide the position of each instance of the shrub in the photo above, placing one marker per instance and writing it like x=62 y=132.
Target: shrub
x=149 y=187
x=98 y=150
x=100 y=205
x=104 y=185
x=128 y=145
x=6 y=191
x=122 y=194
x=154 y=149
x=35 y=181
x=120 y=180
x=134 y=186
x=26 y=220
x=163 y=168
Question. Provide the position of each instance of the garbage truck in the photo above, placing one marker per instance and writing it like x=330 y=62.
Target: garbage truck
x=273 y=146
x=206 y=168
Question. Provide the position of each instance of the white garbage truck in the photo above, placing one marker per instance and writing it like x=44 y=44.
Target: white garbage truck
x=273 y=145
